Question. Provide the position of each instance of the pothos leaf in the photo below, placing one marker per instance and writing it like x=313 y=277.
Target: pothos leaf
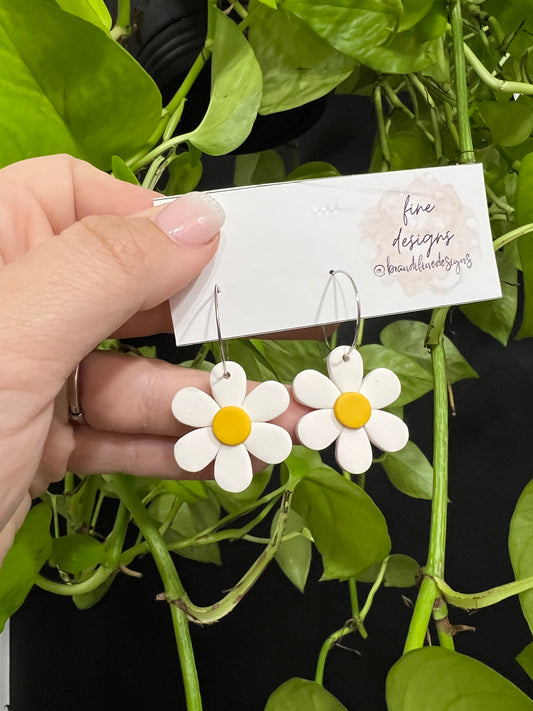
x=497 y=316
x=236 y=86
x=68 y=87
x=442 y=680
x=259 y=168
x=348 y=528
x=351 y=26
x=294 y=555
x=521 y=546
x=94 y=11
x=122 y=171
x=524 y=216
x=298 y=66
x=185 y=172
x=302 y=695
x=409 y=471
x=525 y=659
x=408 y=337
x=77 y=552
x=24 y=560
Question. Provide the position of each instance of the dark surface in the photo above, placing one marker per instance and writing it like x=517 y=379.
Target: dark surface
x=121 y=654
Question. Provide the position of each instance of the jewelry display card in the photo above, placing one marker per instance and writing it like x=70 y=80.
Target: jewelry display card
x=411 y=240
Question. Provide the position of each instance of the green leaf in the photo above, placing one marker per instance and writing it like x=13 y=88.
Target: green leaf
x=298 y=66
x=236 y=86
x=413 y=12
x=234 y=503
x=521 y=547
x=516 y=20
x=408 y=337
x=287 y=357
x=402 y=571
x=189 y=491
x=185 y=172
x=497 y=316
x=348 y=528
x=121 y=171
x=524 y=216
x=92 y=598
x=24 y=560
x=525 y=659
x=76 y=552
x=314 y=169
x=294 y=556
x=300 y=462
x=409 y=471
x=270 y=3
x=403 y=54
x=351 y=26
x=67 y=87
x=510 y=123
x=302 y=695
x=191 y=518
x=442 y=680
x=94 y=11
x=259 y=168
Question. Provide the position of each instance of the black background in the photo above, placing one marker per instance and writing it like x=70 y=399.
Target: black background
x=121 y=654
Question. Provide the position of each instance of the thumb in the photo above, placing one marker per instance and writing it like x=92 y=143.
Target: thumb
x=70 y=292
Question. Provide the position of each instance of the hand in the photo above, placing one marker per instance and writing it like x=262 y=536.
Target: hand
x=85 y=256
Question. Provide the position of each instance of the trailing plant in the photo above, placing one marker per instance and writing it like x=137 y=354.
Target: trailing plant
x=450 y=82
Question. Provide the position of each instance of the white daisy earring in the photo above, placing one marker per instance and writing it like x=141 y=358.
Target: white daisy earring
x=231 y=425
x=347 y=406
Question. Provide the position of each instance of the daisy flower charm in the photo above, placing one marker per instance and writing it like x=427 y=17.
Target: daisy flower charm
x=346 y=408
x=231 y=426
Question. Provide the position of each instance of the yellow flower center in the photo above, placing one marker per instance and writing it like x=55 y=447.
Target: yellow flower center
x=231 y=425
x=352 y=410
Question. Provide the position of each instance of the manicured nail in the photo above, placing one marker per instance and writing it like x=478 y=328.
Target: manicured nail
x=192 y=219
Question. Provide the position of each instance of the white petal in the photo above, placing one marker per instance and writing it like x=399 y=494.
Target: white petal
x=268 y=442
x=194 y=407
x=266 y=401
x=346 y=374
x=315 y=390
x=353 y=451
x=387 y=431
x=233 y=468
x=318 y=429
x=195 y=450
x=228 y=391
x=382 y=387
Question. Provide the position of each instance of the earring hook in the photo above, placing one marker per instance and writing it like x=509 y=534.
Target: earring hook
x=333 y=272
x=219 y=333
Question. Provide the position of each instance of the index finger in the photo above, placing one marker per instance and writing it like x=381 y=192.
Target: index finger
x=68 y=189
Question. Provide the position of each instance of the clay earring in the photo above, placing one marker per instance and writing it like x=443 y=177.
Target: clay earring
x=231 y=425
x=347 y=406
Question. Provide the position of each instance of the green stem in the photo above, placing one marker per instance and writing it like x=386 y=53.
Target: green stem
x=122 y=26
x=397 y=103
x=509 y=237
x=461 y=85
x=437 y=540
x=213 y=613
x=173 y=588
x=508 y=87
x=382 y=131
x=330 y=642
x=100 y=575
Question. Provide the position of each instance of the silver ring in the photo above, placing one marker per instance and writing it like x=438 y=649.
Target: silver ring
x=75 y=413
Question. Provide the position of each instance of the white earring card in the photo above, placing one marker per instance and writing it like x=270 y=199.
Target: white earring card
x=411 y=240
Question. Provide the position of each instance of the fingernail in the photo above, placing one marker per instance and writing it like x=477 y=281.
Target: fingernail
x=192 y=219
